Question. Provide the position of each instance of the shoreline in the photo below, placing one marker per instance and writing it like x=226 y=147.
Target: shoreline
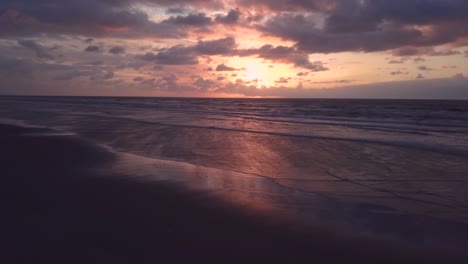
x=60 y=209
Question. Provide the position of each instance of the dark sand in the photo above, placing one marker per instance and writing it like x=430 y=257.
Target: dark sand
x=56 y=210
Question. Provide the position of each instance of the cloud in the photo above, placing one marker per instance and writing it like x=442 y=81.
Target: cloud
x=92 y=48
x=334 y=82
x=424 y=68
x=69 y=76
x=148 y=82
x=290 y=5
x=177 y=55
x=222 y=67
x=187 y=55
x=86 y=17
x=194 y=19
x=310 y=38
x=40 y=51
x=226 y=47
x=396 y=62
x=149 y=56
x=203 y=84
x=285 y=55
x=444 y=53
x=398 y=73
x=215 y=47
x=319 y=26
x=117 y=50
x=282 y=80
x=108 y=75
x=101 y=75
x=13 y=67
x=354 y=25
x=231 y=18
x=428 y=51
x=406 y=51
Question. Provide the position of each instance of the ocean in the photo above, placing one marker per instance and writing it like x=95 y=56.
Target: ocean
x=390 y=168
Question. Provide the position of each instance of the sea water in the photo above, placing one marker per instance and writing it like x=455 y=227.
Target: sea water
x=396 y=168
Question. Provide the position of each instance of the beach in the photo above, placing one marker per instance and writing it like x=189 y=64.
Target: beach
x=118 y=180
x=61 y=207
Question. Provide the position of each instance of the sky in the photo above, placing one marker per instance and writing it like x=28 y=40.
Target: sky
x=235 y=48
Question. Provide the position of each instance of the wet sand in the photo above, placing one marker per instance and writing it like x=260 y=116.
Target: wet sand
x=59 y=205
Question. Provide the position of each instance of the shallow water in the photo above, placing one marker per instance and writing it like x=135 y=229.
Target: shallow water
x=395 y=168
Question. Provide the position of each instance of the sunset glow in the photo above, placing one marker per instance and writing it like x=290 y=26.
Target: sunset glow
x=219 y=48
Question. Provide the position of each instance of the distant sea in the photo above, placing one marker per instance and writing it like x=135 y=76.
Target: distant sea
x=392 y=168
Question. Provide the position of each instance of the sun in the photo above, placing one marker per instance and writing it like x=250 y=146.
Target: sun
x=256 y=70
x=253 y=71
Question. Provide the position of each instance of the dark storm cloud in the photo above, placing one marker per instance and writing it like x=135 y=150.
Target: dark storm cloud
x=40 y=51
x=117 y=50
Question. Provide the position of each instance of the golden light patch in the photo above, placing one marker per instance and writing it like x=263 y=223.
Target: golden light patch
x=257 y=72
